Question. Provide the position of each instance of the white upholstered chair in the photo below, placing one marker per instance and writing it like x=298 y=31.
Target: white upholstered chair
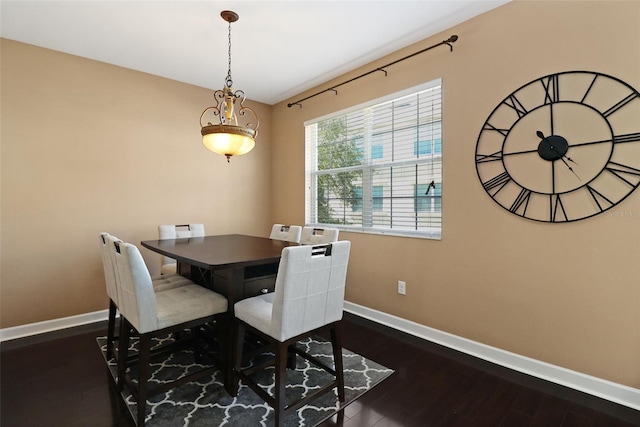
x=112 y=290
x=288 y=233
x=308 y=298
x=318 y=236
x=159 y=283
x=172 y=231
x=151 y=314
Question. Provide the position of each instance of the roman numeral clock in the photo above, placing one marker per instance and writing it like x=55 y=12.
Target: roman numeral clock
x=563 y=147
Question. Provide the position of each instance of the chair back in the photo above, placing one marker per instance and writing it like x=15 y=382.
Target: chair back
x=318 y=236
x=309 y=290
x=172 y=231
x=288 y=233
x=135 y=288
x=108 y=264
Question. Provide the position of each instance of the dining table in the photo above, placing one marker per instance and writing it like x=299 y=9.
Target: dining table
x=236 y=266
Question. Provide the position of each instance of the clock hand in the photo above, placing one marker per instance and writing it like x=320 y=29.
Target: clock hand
x=541 y=136
x=570 y=168
x=570 y=159
x=561 y=156
x=565 y=157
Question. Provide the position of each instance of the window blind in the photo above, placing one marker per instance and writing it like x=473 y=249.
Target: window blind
x=378 y=167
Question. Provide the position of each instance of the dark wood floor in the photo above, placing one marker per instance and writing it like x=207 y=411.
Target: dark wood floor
x=60 y=379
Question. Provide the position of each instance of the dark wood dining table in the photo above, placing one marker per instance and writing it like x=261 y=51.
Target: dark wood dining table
x=235 y=265
x=233 y=259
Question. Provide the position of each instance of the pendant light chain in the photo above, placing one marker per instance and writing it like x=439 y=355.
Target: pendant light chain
x=228 y=80
x=225 y=134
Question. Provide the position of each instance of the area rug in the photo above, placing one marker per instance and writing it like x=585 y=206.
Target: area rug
x=206 y=403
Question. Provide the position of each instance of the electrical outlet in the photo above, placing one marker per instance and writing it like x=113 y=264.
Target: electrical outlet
x=402 y=287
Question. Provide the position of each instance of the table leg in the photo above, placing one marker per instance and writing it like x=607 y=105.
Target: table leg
x=235 y=285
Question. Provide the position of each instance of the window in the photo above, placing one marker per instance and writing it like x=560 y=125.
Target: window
x=429 y=197
x=376 y=152
x=377 y=199
x=369 y=168
x=427 y=147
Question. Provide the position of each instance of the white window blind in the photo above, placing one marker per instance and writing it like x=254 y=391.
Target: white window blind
x=377 y=167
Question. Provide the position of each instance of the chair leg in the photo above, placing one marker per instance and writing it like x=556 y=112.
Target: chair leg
x=225 y=332
x=291 y=357
x=197 y=349
x=123 y=351
x=143 y=376
x=234 y=380
x=111 y=326
x=336 y=343
x=280 y=382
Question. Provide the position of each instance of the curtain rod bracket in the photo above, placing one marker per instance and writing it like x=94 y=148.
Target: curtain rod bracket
x=447 y=42
x=450 y=40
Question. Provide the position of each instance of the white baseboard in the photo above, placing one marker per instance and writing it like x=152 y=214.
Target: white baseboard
x=52 y=325
x=614 y=392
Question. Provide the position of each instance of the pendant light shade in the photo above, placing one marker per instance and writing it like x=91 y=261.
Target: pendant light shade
x=229 y=136
x=228 y=140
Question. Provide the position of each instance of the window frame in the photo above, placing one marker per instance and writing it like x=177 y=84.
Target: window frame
x=366 y=204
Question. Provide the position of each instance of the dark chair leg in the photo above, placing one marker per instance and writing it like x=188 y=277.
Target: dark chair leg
x=280 y=382
x=291 y=357
x=143 y=376
x=117 y=403
x=228 y=351
x=336 y=343
x=111 y=326
x=197 y=349
x=123 y=351
x=225 y=333
x=236 y=363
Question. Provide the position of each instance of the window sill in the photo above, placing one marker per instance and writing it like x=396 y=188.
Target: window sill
x=429 y=235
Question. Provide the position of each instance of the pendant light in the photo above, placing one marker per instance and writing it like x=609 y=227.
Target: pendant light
x=228 y=137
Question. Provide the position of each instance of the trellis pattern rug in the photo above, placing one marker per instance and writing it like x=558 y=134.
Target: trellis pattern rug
x=206 y=403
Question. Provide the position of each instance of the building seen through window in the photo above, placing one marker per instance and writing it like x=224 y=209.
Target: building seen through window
x=378 y=168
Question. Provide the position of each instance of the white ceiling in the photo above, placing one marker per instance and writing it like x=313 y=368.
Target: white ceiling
x=279 y=48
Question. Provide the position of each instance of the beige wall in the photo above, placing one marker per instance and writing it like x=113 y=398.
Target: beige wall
x=89 y=147
x=567 y=294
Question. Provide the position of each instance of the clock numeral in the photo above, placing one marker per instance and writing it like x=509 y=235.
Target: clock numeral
x=552 y=91
x=598 y=195
x=515 y=103
x=621 y=104
x=493 y=157
x=629 y=137
x=555 y=207
x=498 y=182
x=589 y=89
x=620 y=171
x=489 y=126
x=523 y=198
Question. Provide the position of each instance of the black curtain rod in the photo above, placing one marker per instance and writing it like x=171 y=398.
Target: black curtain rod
x=448 y=42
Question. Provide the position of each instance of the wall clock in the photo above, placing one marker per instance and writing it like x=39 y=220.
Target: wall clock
x=563 y=147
